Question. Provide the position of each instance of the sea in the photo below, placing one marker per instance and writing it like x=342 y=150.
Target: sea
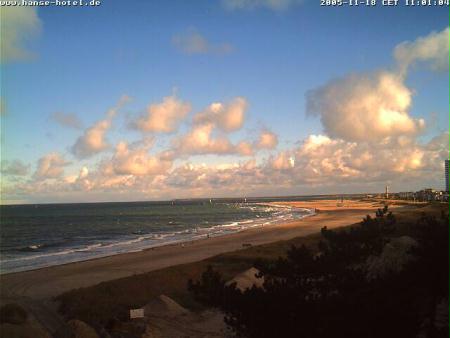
x=42 y=235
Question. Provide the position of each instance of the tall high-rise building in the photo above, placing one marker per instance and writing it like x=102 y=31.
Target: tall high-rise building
x=446 y=175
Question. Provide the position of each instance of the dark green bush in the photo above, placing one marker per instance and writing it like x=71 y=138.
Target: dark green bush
x=328 y=294
x=12 y=314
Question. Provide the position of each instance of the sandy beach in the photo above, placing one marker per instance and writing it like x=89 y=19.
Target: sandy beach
x=49 y=282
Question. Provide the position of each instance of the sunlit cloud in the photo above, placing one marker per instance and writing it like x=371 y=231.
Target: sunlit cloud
x=19 y=25
x=192 y=42
x=284 y=160
x=369 y=139
x=200 y=140
x=14 y=168
x=365 y=107
x=432 y=50
x=2 y=106
x=136 y=161
x=210 y=129
x=50 y=166
x=276 y=5
x=93 y=139
x=318 y=161
x=68 y=120
x=228 y=116
x=163 y=117
x=267 y=140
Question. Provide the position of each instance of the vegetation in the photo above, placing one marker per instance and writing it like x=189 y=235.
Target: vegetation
x=13 y=314
x=334 y=292
x=106 y=305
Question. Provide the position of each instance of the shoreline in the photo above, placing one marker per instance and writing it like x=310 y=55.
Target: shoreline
x=180 y=241
x=47 y=282
x=161 y=245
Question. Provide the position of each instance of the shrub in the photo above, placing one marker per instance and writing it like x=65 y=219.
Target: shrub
x=12 y=314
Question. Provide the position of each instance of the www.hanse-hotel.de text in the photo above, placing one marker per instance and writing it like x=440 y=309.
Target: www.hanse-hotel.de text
x=62 y=3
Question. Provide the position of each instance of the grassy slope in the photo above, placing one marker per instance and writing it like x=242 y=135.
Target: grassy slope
x=100 y=303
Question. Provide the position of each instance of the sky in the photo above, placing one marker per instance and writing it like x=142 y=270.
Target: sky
x=155 y=100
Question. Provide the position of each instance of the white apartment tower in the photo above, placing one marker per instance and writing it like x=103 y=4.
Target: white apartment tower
x=446 y=176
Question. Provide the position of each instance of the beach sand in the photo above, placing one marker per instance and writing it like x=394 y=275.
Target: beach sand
x=48 y=282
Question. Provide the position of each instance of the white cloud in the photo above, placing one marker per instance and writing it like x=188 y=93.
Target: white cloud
x=276 y=5
x=83 y=174
x=244 y=148
x=267 y=140
x=137 y=161
x=19 y=25
x=208 y=134
x=227 y=179
x=66 y=120
x=284 y=160
x=192 y=42
x=2 y=106
x=365 y=107
x=50 y=166
x=201 y=141
x=226 y=116
x=93 y=139
x=164 y=117
x=370 y=139
x=320 y=157
x=319 y=163
x=14 y=168
x=432 y=49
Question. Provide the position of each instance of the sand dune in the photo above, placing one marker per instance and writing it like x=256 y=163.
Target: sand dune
x=247 y=279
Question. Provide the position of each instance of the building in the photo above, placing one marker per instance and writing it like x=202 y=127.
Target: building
x=446 y=176
x=407 y=195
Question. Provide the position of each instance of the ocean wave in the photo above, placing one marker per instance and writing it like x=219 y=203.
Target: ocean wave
x=41 y=246
x=41 y=254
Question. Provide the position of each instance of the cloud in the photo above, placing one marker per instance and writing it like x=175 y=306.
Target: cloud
x=93 y=139
x=83 y=174
x=201 y=141
x=267 y=140
x=66 y=120
x=50 y=166
x=244 y=148
x=284 y=160
x=14 y=168
x=320 y=157
x=164 y=117
x=370 y=139
x=202 y=180
x=136 y=161
x=432 y=49
x=2 y=107
x=440 y=143
x=192 y=42
x=210 y=128
x=276 y=5
x=365 y=107
x=19 y=25
x=226 y=116
x=318 y=163
x=205 y=139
